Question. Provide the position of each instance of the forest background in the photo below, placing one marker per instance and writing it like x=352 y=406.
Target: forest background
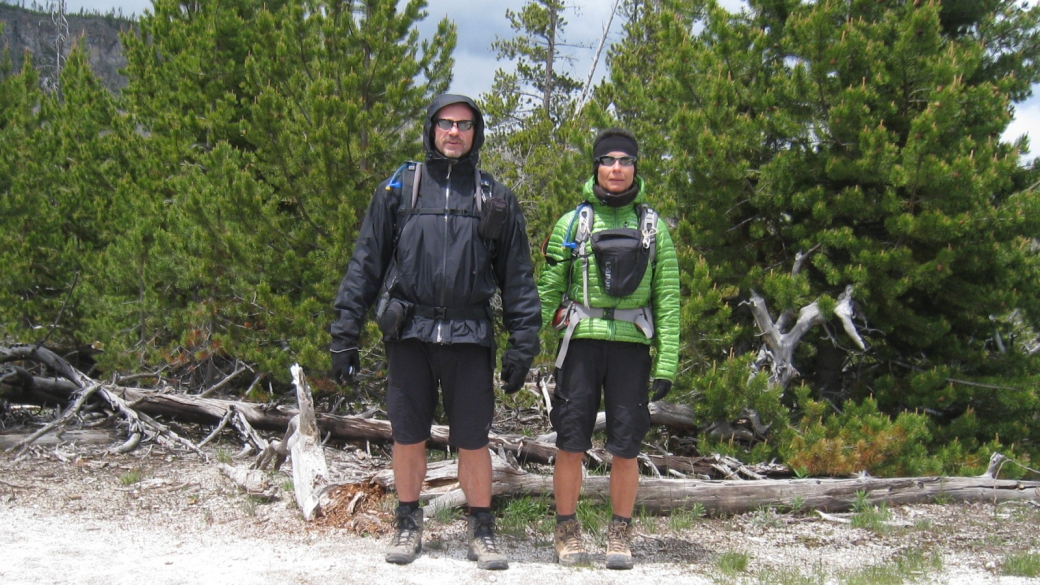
x=198 y=222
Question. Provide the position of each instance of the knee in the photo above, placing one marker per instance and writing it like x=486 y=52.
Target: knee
x=569 y=457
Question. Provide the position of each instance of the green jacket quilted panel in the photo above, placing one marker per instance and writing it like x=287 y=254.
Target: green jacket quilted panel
x=659 y=288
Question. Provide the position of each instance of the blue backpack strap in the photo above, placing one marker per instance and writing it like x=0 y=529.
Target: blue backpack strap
x=572 y=242
x=575 y=241
x=404 y=180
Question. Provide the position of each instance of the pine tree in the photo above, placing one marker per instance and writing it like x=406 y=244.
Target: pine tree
x=867 y=133
x=58 y=173
x=266 y=163
x=538 y=82
x=186 y=69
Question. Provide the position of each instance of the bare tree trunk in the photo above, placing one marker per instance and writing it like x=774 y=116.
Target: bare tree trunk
x=595 y=58
x=310 y=472
x=213 y=411
x=550 y=58
x=664 y=496
x=777 y=352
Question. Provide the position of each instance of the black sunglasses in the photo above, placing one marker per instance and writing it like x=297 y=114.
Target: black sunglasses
x=608 y=161
x=445 y=124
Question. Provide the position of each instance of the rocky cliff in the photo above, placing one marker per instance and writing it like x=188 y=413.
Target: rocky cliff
x=35 y=32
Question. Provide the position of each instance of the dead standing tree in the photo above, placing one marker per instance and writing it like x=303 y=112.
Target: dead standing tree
x=779 y=343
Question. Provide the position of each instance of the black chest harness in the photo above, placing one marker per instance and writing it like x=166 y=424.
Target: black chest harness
x=622 y=256
x=492 y=212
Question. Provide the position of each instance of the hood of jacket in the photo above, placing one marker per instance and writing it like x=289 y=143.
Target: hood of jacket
x=434 y=155
x=590 y=196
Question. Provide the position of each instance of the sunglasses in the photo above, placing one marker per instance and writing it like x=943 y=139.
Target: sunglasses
x=608 y=161
x=445 y=124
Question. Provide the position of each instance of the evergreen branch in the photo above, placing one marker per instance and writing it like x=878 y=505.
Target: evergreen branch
x=978 y=385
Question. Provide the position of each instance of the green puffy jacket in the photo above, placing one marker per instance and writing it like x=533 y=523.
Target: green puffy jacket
x=658 y=289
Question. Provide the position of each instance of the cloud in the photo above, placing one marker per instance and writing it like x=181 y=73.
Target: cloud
x=480 y=22
x=1026 y=122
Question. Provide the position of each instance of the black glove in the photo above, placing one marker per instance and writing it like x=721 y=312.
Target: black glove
x=346 y=364
x=661 y=388
x=514 y=371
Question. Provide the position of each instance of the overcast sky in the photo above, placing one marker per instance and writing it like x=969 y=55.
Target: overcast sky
x=480 y=22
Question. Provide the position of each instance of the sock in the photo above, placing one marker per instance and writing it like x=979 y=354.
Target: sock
x=616 y=518
x=473 y=511
x=412 y=506
x=561 y=518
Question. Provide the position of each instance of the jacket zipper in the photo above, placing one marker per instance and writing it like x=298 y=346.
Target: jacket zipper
x=444 y=250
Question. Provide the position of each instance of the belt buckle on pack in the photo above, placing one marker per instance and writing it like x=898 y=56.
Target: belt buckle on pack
x=440 y=313
x=608 y=314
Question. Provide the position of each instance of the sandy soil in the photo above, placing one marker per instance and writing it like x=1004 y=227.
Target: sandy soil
x=71 y=515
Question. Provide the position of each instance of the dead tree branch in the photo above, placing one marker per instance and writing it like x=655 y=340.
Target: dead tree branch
x=777 y=352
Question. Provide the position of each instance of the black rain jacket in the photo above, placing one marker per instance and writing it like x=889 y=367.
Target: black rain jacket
x=440 y=260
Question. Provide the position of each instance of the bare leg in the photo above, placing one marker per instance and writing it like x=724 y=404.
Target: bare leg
x=409 y=470
x=624 y=483
x=475 y=476
x=567 y=477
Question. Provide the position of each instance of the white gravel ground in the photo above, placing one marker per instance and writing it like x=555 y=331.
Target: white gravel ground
x=74 y=521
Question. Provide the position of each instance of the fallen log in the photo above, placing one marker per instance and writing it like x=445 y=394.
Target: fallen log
x=723 y=497
x=276 y=418
x=252 y=481
x=77 y=436
x=441 y=487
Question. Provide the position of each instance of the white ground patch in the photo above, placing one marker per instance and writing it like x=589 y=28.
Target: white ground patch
x=185 y=523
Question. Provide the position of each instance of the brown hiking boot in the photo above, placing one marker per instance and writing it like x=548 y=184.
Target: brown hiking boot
x=406 y=544
x=618 y=554
x=569 y=549
x=482 y=547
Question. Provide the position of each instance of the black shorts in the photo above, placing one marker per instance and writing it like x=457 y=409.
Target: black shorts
x=463 y=372
x=622 y=371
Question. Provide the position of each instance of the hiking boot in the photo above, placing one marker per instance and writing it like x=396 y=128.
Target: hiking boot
x=618 y=554
x=482 y=547
x=569 y=549
x=407 y=541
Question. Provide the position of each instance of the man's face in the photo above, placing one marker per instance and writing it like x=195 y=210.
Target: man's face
x=616 y=178
x=453 y=142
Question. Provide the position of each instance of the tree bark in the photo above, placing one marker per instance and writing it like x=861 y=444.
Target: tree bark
x=310 y=472
x=211 y=411
x=664 y=496
x=441 y=485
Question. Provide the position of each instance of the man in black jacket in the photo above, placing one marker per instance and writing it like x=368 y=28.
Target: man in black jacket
x=438 y=254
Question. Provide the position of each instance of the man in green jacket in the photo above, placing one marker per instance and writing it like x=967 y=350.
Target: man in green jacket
x=611 y=287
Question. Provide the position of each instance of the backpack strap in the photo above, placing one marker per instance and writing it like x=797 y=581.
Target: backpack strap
x=573 y=313
x=411 y=177
x=416 y=176
x=403 y=180
x=585 y=223
x=648 y=228
x=483 y=188
x=578 y=244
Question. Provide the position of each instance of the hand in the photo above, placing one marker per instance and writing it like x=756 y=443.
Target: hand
x=661 y=388
x=345 y=365
x=514 y=371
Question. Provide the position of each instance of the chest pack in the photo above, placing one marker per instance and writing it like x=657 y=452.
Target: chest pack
x=490 y=211
x=622 y=254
